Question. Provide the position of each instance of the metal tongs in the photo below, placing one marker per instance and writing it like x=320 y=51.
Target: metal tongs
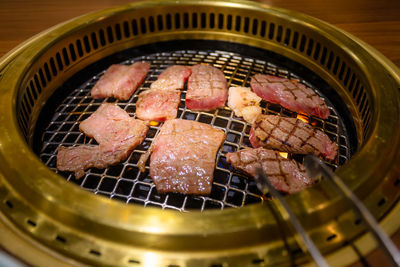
x=315 y=167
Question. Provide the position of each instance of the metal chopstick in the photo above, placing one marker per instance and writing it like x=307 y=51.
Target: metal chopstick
x=315 y=166
x=264 y=185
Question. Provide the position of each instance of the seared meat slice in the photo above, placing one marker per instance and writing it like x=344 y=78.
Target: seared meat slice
x=172 y=78
x=183 y=157
x=291 y=135
x=285 y=175
x=111 y=125
x=290 y=94
x=162 y=101
x=158 y=105
x=120 y=81
x=117 y=134
x=207 y=88
x=79 y=158
x=244 y=103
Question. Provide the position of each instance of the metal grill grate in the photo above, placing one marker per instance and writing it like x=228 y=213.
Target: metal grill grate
x=124 y=181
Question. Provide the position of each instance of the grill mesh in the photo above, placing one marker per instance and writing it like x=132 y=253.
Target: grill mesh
x=124 y=181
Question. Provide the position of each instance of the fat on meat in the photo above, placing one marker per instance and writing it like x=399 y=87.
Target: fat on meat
x=291 y=135
x=117 y=134
x=174 y=77
x=120 y=81
x=183 y=157
x=207 y=88
x=285 y=175
x=290 y=94
x=158 y=105
x=244 y=103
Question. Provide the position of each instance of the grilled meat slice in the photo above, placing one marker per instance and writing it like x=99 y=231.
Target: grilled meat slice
x=291 y=135
x=174 y=77
x=183 y=157
x=79 y=158
x=290 y=94
x=111 y=125
x=244 y=103
x=120 y=81
x=158 y=105
x=117 y=134
x=285 y=175
x=207 y=88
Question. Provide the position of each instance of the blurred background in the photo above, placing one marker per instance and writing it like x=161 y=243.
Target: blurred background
x=375 y=22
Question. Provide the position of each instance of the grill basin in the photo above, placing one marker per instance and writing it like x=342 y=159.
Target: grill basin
x=39 y=207
x=124 y=181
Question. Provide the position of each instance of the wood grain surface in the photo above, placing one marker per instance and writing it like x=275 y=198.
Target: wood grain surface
x=375 y=22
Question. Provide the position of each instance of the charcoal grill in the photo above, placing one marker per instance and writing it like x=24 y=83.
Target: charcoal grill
x=45 y=86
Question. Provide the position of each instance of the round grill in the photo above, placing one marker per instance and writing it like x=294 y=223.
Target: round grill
x=45 y=86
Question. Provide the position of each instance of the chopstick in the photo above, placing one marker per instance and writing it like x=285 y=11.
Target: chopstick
x=315 y=166
x=264 y=185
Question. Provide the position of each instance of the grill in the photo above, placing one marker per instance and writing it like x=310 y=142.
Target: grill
x=125 y=182
x=45 y=85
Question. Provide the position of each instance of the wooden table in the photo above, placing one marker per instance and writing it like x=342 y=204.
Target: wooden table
x=375 y=22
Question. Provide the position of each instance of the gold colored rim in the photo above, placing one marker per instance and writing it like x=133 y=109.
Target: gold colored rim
x=94 y=227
